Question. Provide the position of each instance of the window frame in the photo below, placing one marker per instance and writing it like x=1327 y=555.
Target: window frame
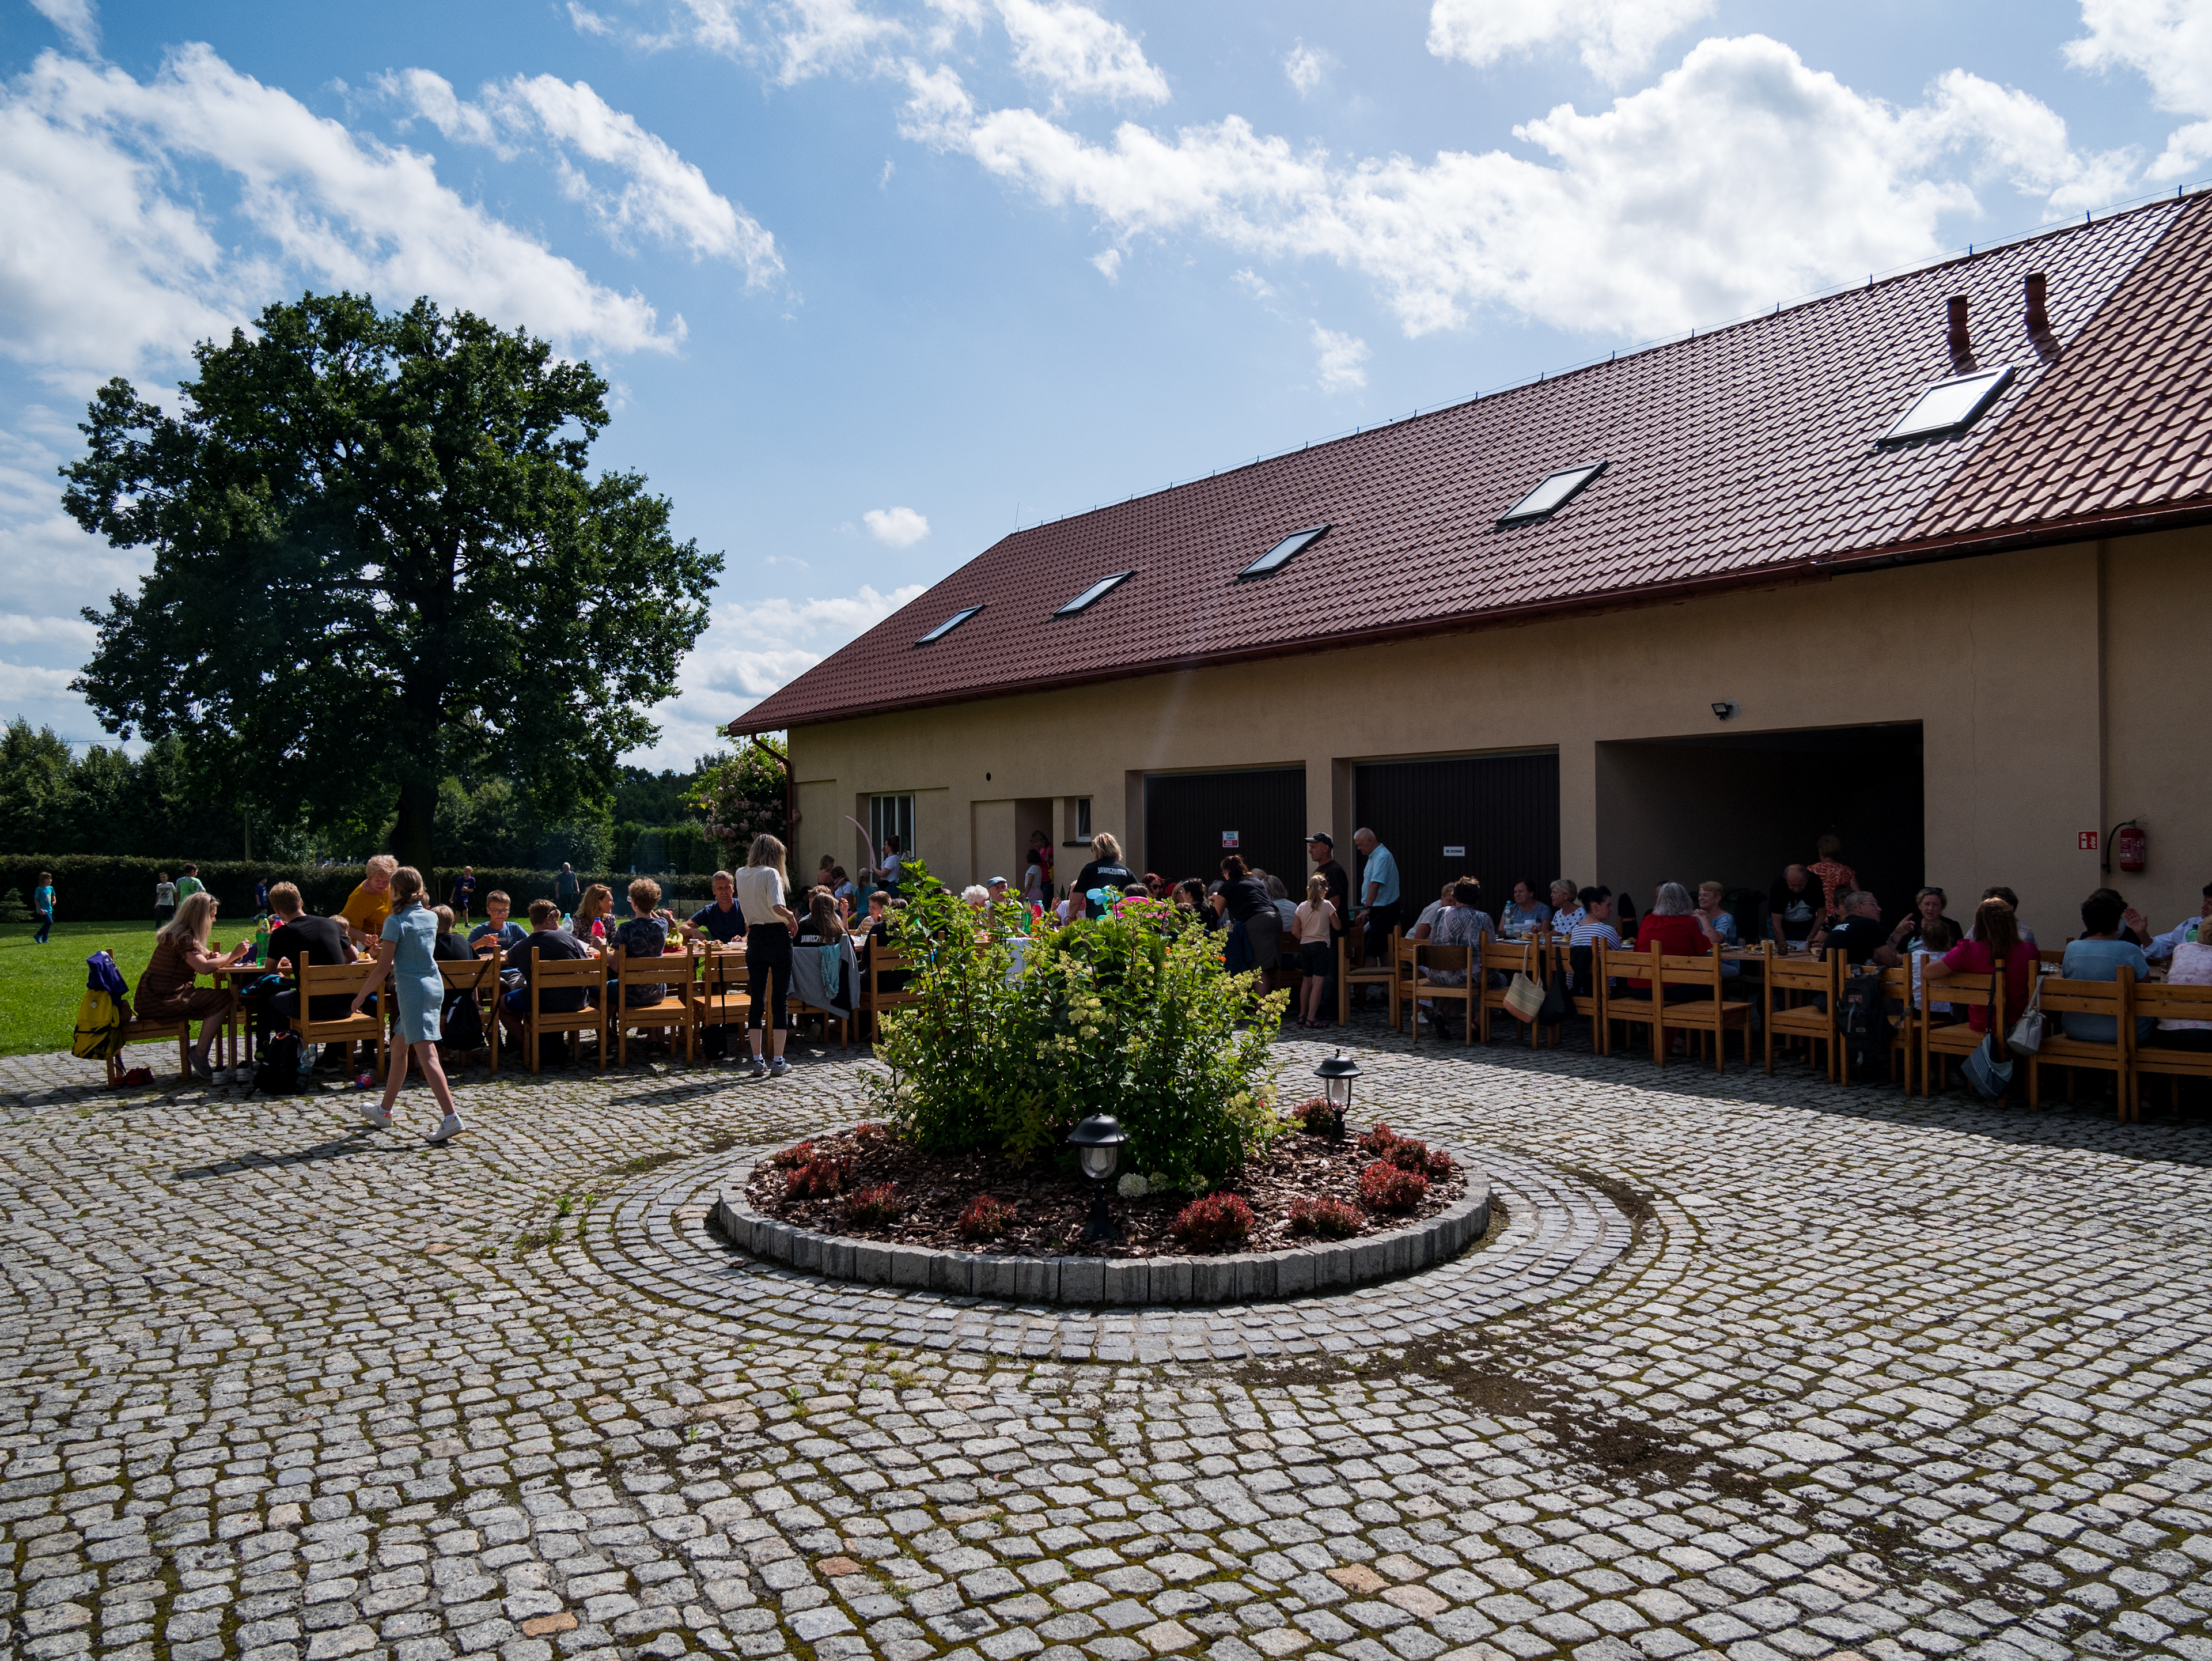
x=1304 y=538
x=1999 y=379
x=1091 y=595
x=1516 y=516
x=938 y=633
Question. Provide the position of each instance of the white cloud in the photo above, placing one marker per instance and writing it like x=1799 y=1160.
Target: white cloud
x=27 y=683
x=111 y=259
x=901 y=528
x=1303 y=66
x=841 y=615
x=1076 y=53
x=664 y=197
x=1109 y=262
x=76 y=20
x=2169 y=44
x=1341 y=360
x=587 y=22
x=1741 y=178
x=16 y=629
x=1614 y=37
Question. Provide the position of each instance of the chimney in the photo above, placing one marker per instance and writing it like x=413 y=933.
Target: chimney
x=2038 y=319
x=1960 y=345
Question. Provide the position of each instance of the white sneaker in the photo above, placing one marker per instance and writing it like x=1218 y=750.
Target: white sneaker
x=778 y=1067
x=448 y=1128
x=376 y=1117
x=759 y=1067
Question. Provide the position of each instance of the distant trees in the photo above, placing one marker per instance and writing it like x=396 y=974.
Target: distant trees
x=103 y=802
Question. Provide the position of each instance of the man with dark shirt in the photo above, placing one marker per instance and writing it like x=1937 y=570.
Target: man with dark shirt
x=549 y=940
x=1795 y=907
x=464 y=893
x=299 y=938
x=1860 y=936
x=722 y=922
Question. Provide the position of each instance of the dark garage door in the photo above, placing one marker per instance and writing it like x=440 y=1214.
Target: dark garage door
x=1503 y=810
x=1187 y=813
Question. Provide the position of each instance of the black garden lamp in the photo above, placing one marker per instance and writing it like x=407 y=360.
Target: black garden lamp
x=1097 y=1142
x=1336 y=1075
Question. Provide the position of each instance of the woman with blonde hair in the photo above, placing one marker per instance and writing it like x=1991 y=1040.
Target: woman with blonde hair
x=770 y=924
x=407 y=952
x=182 y=952
x=1313 y=924
x=1105 y=871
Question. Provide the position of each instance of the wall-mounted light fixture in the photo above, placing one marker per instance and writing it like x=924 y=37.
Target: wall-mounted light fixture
x=1725 y=709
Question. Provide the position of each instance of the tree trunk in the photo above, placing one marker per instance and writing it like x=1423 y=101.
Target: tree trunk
x=412 y=842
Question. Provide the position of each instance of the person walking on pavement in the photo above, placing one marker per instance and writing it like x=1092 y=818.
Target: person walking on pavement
x=406 y=951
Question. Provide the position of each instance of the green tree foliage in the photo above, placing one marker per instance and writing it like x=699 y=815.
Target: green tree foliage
x=1133 y=1015
x=105 y=802
x=742 y=795
x=378 y=561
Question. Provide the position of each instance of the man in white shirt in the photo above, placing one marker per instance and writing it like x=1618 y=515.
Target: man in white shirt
x=2161 y=947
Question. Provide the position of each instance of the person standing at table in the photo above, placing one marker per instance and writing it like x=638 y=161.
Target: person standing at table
x=165 y=898
x=770 y=925
x=464 y=895
x=370 y=903
x=1107 y=871
x=406 y=951
x=1378 y=894
x=1836 y=879
x=42 y=906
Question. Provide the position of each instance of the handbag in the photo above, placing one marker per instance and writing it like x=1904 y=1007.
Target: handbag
x=2027 y=1035
x=1557 y=1005
x=1523 y=997
x=1988 y=1069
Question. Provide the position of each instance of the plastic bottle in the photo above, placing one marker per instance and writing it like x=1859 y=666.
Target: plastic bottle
x=261 y=939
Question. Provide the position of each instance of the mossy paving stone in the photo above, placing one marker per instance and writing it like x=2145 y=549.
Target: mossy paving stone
x=1859 y=1375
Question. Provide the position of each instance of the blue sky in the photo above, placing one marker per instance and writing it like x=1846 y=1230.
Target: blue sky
x=875 y=282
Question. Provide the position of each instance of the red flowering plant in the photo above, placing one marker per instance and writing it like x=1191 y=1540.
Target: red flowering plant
x=1332 y=1220
x=985 y=1218
x=1385 y=1187
x=878 y=1204
x=1218 y=1219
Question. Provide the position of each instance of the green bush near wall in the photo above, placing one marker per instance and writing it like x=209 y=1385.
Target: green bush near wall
x=106 y=887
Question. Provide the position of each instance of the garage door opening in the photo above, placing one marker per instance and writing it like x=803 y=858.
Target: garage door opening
x=1493 y=818
x=1737 y=807
x=1191 y=819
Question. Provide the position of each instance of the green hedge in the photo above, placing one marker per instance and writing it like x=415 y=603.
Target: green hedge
x=91 y=887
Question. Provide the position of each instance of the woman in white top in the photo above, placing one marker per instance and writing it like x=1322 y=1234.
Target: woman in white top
x=1312 y=926
x=769 y=925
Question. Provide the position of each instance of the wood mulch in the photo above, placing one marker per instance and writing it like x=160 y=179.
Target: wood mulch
x=1050 y=1205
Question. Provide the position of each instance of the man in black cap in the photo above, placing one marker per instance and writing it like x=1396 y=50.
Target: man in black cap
x=1321 y=848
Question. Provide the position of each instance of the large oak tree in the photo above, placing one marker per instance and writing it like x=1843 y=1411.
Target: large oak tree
x=378 y=559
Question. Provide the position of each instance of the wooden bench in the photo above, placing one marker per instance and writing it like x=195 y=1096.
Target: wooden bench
x=153 y=1033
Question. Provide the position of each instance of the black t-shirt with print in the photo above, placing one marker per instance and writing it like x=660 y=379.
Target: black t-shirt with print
x=1099 y=873
x=1798 y=911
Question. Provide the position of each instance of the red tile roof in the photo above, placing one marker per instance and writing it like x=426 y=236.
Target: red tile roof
x=1731 y=458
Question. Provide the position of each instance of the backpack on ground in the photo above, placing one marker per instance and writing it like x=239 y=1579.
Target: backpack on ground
x=101 y=1013
x=278 y=1071
x=462 y=1024
x=1863 y=1020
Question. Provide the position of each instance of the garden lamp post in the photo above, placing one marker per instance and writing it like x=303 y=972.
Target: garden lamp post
x=1336 y=1075
x=1097 y=1142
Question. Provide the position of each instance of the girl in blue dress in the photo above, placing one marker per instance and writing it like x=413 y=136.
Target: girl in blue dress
x=407 y=953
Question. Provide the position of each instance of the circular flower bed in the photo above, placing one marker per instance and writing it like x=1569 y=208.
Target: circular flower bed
x=1295 y=1191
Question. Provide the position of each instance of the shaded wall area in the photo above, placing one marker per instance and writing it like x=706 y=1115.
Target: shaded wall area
x=1737 y=807
x=1493 y=818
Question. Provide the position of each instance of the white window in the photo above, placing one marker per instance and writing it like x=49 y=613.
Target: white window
x=1948 y=406
x=889 y=817
x=1552 y=492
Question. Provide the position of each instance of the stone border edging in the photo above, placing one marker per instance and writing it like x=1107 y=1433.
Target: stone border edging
x=1157 y=1282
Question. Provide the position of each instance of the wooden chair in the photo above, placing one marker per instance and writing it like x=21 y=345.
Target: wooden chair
x=1352 y=971
x=843 y=1023
x=1412 y=957
x=1585 y=993
x=1629 y=1006
x=721 y=997
x=1903 y=1041
x=1941 y=1042
x=674 y=1009
x=479 y=978
x=153 y=1033
x=2168 y=1003
x=1520 y=958
x=1716 y=1013
x=2059 y=998
x=881 y=961
x=587 y=976
x=341 y=980
x=1800 y=1000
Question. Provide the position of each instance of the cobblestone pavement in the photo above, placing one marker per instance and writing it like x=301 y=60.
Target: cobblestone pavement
x=1756 y=1367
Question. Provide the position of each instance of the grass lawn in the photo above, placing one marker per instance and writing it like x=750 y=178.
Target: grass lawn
x=39 y=985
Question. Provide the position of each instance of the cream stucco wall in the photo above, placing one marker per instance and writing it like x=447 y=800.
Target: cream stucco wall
x=2054 y=688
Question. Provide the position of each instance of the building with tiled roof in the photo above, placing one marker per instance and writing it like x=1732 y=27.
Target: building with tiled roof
x=1914 y=564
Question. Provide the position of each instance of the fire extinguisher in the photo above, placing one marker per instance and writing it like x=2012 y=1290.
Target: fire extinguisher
x=2132 y=844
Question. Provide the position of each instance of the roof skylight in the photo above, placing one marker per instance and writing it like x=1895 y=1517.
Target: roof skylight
x=1948 y=406
x=948 y=625
x=1097 y=591
x=1284 y=551
x=1551 y=493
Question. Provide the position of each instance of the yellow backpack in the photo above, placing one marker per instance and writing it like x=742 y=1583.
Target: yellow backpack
x=101 y=1013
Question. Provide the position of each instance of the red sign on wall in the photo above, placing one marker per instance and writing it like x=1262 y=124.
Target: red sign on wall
x=2086 y=842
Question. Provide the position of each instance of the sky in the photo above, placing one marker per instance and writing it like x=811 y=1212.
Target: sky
x=876 y=283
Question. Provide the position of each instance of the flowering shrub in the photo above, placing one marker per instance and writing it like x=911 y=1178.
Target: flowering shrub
x=1316 y=1116
x=793 y=1157
x=879 y=1204
x=818 y=1178
x=1218 y=1219
x=1132 y=1012
x=985 y=1218
x=1379 y=1141
x=1133 y=1186
x=1386 y=1187
x=1332 y=1220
